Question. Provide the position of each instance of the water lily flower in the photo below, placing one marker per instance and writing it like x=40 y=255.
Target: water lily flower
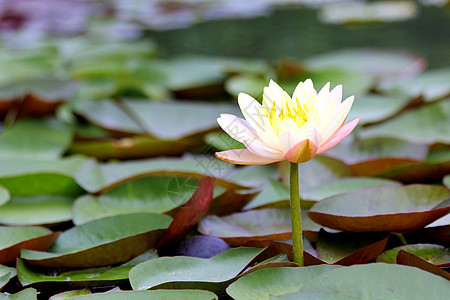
x=284 y=128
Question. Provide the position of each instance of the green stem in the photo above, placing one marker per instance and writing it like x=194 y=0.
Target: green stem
x=296 y=218
x=401 y=237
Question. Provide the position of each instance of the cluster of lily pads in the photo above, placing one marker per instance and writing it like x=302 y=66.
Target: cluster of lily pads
x=108 y=179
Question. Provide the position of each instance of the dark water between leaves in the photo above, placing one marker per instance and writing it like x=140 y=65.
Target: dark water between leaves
x=298 y=33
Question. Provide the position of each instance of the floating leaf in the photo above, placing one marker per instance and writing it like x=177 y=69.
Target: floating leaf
x=158 y=294
x=409 y=259
x=230 y=201
x=189 y=214
x=428 y=124
x=374 y=62
x=271 y=223
x=37 y=138
x=250 y=84
x=434 y=254
x=260 y=284
x=41 y=177
x=28 y=294
x=70 y=294
x=345 y=248
x=431 y=85
x=175 y=120
x=36 y=210
x=157 y=194
x=274 y=194
x=102 y=242
x=192 y=272
x=12 y=239
x=373 y=281
x=343 y=185
x=96 y=177
x=222 y=141
x=81 y=278
x=383 y=209
x=6 y=273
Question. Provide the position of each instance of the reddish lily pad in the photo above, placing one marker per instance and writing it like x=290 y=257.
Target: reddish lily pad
x=102 y=242
x=408 y=259
x=434 y=254
x=13 y=239
x=374 y=209
x=190 y=214
x=346 y=249
x=238 y=228
x=230 y=201
x=192 y=272
x=98 y=178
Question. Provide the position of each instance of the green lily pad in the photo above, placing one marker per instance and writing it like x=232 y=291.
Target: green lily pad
x=37 y=138
x=157 y=194
x=274 y=194
x=344 y=185
x=428 y=124
x=26 y=294
x=158 y=294
x=70 y=294
x=373 y=281
x=373 y=62
x=36 y=210
x=4 y=195
x=81 y=278
x=435 y=254
x=260 y=284
x=95 y=177
x=222 y=141
x=372 y=150
x=316 y=172
x=431 y=85
x=102 y=242
x=41 y=177
x=250 y=84
x=409 y=259
x=238 y=228
x=192 y=272
x=253 y=176
x=27 y=237
x=374 y=209
x=6 y=273
x=175 y=120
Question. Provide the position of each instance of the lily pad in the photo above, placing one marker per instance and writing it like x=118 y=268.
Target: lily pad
x=28 y=294
x=274 y=194
x=373 y=281
x=238 y=228
x=222 y=141
x=375 y=62
x=409 y=259
x=345 y=248
x=102 y=242
x=434 y=254
x=192 y=272
x=260 y=284
x=428 y=124
x=6 y=273
x=175 y=120
x=431 y=85
x=29 y=177
x=97 y=178
x=250 y=84
x=37 y=138
x=36 y=210
x=27 y=237
x=382 y=209
x=157 y=194
x=343 y=185
x=81 y=278
x=158 y=294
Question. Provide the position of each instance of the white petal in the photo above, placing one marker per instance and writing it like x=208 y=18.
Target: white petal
x=273 y=94
x=337 y=93
x=252 y=112
x=258 y=147
x=239 y=129
x=323 y=96
x=243 y=157
x=288 y=134
x=305 y=93
x=338 y=118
